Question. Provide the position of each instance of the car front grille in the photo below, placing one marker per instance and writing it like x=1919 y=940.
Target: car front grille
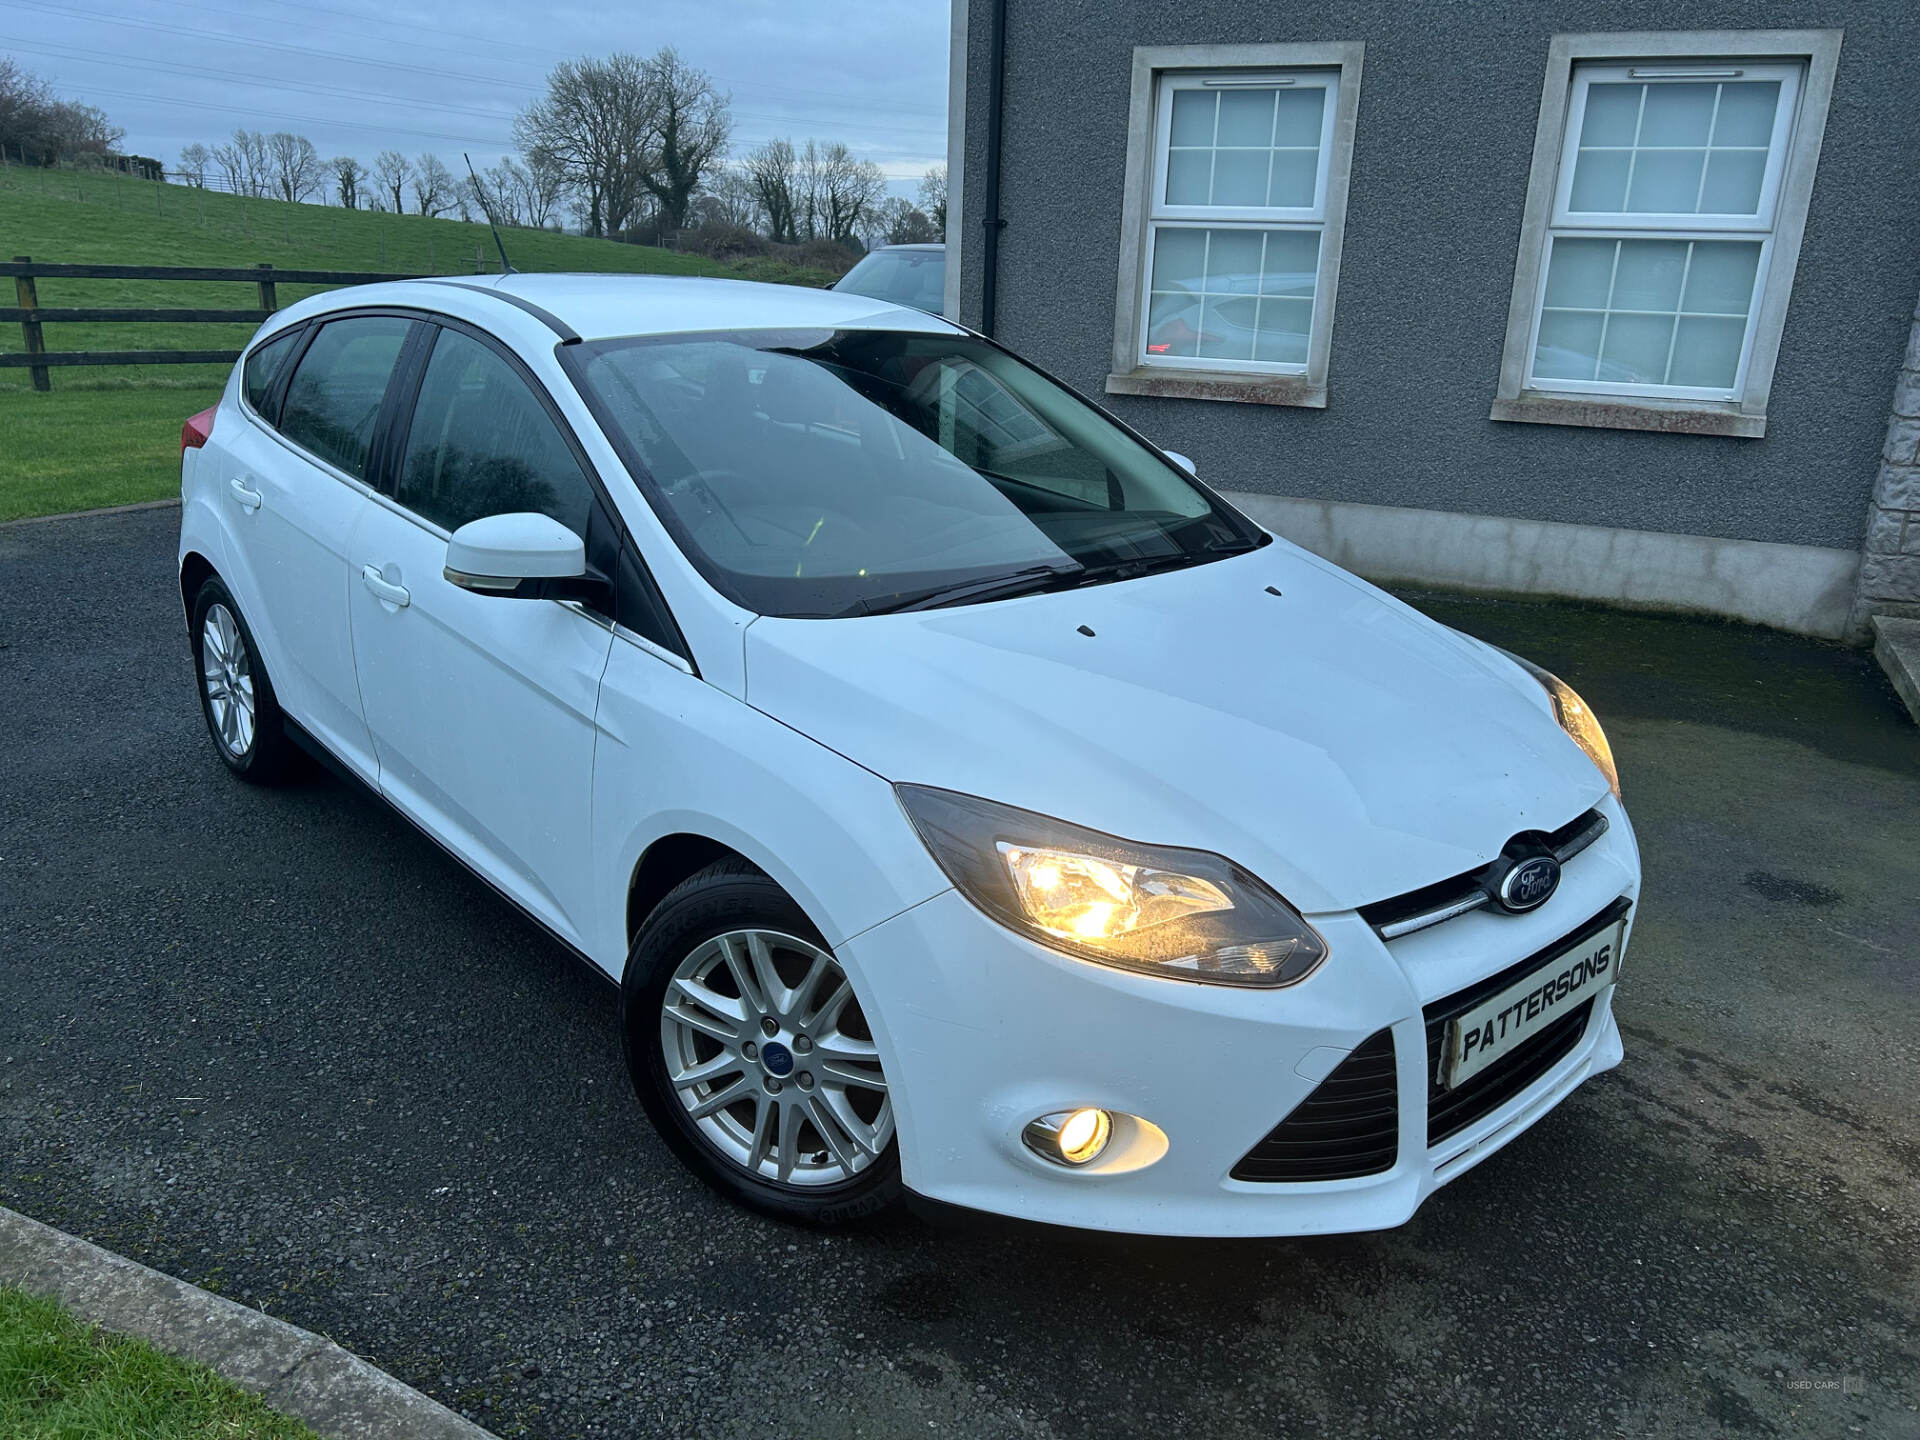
x=1348 y=1126
x=1430 y=904
x=1451 y=1111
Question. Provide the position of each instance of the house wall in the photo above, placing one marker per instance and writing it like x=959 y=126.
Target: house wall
x=1448 y=109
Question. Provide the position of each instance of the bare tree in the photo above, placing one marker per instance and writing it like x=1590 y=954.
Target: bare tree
x=86 y=128
x=26 y=104
x=727 y=198
x=771 y=171
x=243 y=162
x=499 y=191
x=232 y=166
x=592 y=126
x=836 y=190
x=433 y=186
x=897 y=221
x=41 y=129
x=687 y=134
x=348 y=174
x=516 y=194
x=257 y=160
x=295 y=166
x=933 y=197
x=545 y=186
x=194 y=160
x=394 y=170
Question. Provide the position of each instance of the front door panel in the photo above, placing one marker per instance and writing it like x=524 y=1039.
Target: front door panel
x=482 y=714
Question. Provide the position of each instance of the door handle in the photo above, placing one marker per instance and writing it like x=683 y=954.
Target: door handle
x=384 y=588
x=249 y=499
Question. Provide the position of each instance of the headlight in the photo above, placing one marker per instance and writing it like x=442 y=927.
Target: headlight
x=1575 y=718
x=1184 y=914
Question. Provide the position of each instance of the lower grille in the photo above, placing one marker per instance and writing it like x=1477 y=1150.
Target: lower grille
x=1451 y=1111
x=1348 y=1126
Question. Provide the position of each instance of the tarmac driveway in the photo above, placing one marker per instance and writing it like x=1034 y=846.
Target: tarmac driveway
x=277 y=1044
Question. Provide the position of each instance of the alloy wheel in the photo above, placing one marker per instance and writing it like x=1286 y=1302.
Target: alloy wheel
x=768 y=1051
x=227 y=676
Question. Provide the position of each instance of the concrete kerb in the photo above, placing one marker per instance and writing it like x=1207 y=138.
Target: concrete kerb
x=1896 y=645
x=296 y=1372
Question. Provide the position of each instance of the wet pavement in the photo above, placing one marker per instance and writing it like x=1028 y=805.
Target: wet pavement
x=276 y=1043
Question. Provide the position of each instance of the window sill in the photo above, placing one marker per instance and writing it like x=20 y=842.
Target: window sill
x=1609 y=412
x=1221 y=385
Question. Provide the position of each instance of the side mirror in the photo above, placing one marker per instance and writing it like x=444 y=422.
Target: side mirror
x=1183 y=462
x=516 y=554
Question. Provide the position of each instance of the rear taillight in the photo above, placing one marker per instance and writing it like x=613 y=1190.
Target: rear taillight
x=197 y=431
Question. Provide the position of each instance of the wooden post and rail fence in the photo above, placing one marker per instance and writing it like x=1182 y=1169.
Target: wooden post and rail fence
x=31 y=314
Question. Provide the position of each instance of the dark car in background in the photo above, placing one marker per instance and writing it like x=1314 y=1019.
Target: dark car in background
x=913 y=275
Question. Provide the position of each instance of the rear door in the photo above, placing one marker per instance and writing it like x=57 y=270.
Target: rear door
x=295 y=486
x=482 y=707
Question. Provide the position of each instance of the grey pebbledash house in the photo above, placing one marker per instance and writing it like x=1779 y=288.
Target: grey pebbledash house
x=1602 y=300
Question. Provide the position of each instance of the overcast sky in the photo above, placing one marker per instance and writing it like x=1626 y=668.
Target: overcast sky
x=358 y=77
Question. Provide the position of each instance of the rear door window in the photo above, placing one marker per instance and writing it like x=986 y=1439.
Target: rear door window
x=263 y=368
x=335 y=394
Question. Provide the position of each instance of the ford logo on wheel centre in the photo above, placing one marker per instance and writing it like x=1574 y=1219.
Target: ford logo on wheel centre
x=1528 y=885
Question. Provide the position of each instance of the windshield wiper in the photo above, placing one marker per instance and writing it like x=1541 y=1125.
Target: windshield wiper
x=1152 y=564
x=994 y=587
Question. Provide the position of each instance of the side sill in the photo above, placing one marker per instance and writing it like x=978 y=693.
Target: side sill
x=1605 y=412
x=340 y=770
x=1221 y=385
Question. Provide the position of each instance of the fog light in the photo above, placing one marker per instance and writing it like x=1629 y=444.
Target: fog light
x=1070 y=1137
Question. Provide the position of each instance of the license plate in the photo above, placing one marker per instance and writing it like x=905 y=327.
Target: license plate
x=1504 y=1022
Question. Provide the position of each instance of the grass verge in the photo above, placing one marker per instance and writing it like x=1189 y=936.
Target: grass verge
x=63 y=1379
x=84 y=449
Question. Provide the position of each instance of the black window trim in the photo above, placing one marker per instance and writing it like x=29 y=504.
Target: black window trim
x=299 y=333
x=568 y=335
x=313 y=326
x=395 y=423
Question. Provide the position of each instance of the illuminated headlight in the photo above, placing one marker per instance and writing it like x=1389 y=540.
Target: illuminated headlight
x=1185 y=914
x=1575 y=718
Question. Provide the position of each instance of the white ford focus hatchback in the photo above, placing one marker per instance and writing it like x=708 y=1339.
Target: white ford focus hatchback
x=965 y=799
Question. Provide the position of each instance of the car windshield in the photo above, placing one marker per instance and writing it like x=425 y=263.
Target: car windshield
x=902 y=277
x=830 y=472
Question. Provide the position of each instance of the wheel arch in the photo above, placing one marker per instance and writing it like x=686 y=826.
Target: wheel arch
x=195 y=571
x=668 y=861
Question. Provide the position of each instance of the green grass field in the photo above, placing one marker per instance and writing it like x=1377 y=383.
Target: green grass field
x=61 y=1379
x=110 y=436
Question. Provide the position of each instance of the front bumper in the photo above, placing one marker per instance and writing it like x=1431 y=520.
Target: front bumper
x=982 y=1030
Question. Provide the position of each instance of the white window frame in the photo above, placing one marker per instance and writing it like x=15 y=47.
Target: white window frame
x=1803 y=62
x=1162 y=216
x=1158 y=72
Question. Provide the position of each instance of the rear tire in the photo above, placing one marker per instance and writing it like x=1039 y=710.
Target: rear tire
x=731 y=991
x=236 y=697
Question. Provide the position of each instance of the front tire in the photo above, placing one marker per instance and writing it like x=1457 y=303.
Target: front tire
x=236 y=697
x=751 y=1055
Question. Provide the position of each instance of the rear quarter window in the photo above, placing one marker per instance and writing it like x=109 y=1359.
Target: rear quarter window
x=262 y=367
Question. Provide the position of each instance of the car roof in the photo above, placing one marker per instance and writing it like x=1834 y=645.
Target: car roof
x=916 y=245
x=601 y=306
